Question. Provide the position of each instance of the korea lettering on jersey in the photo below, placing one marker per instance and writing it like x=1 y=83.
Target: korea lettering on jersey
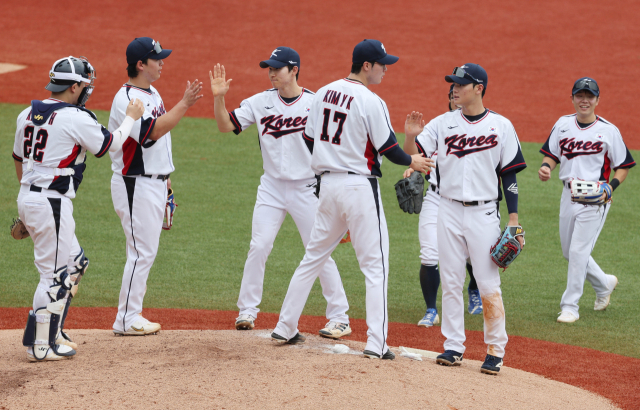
x=140 y=155
x=586 y=153
x=474 y=154
x=280 y=126
x=57 y=135
x=350 y=128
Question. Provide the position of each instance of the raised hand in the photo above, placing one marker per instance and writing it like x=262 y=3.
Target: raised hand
x=219 y=86
x=135 y=109
x=414 y=124
x=191 y=93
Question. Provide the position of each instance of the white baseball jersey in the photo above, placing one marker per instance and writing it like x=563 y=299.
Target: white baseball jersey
x=473 y=154
x=586 y=153
x=139 y=154
x=280 y=126
x=431 y=176
x=58 y=134
x=351 y=129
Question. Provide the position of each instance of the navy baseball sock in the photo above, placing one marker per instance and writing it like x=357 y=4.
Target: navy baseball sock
x=472 y=280
x=429 y=282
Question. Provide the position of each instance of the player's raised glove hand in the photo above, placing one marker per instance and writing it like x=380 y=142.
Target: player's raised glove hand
x=219 y=86
x=420 y=163
x=410 y=192
x=413 y=125
x=191 y=94
x=135 y=109
x=590 y=192
x=18 y=230
x=508 y=247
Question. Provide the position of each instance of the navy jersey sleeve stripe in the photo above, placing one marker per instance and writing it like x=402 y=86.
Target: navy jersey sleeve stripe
x=420 y=148
x=145 y=131
x=236 y=123
x=393 y=152
x=17 y=158
x=108 y=140
x=545 y=150
x=550 y=155
x=516 y=165
x=308 y=142
x=629 y=162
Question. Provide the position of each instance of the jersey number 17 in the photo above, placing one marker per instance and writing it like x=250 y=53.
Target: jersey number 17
x=338 y=117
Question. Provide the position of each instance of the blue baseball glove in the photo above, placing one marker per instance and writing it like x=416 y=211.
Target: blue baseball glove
x=505 y=251
x=590 y=192
x=168 y=211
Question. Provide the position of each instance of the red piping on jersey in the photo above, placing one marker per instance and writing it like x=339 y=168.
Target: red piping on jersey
x=148 y=131
x=238 y=127
x=502 y=171
x=137 y=88
x=297 y=99
x=54 y=99
x=626 y=165
x=475 y=122
x=368 y=153
x=72 y=157
x=128 y=152
x=305 y=136
x=583 y=129
x=551 y=155
x=17 y=158
x=607 y=167
x=381 y=152
x=353 y=82
x=106 y=148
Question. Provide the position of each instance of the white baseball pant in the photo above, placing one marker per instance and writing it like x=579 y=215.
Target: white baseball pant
x=427 y=231
x=580 y=226
x=347 y=202
x=140 y=203
x=470 y=231
x=48 y=217
x=275 y=198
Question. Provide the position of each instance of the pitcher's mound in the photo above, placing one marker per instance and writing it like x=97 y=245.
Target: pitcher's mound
x=8 y=67
x=230 y=369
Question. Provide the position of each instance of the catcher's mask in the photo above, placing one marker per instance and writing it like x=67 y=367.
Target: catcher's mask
x=72 y=70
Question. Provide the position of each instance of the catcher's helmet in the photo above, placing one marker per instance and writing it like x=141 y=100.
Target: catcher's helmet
x=72 y=70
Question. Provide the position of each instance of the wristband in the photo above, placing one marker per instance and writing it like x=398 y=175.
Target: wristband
x=544 y=164
x=614 y=184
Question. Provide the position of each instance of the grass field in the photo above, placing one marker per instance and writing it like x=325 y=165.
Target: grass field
x=201 y=259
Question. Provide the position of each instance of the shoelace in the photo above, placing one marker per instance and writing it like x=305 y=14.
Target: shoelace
x=474 y=298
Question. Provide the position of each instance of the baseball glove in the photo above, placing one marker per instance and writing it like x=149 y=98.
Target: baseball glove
x=410 y=192
x=18 y=230
x=504 y=252
x=169 y=210
x=589 y=192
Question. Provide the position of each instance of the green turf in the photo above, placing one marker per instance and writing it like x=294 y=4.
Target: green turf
x=201 y=259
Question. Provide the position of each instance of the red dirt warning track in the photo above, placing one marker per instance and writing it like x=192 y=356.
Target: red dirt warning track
x=612 y=376
x=533 y=51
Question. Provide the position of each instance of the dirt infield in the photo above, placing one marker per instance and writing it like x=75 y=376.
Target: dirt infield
x=533 y=51
x=238 y=370
x=611 y=376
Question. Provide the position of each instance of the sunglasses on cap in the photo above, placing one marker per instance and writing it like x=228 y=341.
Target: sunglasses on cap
x=156 y=47
x=587 y=84
x=460 y=72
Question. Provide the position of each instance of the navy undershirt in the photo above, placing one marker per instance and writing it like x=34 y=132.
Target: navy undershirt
x=289 y=100
x=474 y=118
x=582 y=125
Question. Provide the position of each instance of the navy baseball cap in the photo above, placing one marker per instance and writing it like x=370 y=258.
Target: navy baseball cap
x=145 y=47
x=588 y=84
x=467 y=74
x=280 y=57
x=372 y=51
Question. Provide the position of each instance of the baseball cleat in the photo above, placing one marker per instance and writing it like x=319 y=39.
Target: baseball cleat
x=475 y=302
x=491 y=365
x=430 y=318
x=567 y=317
x=295 y=340
x=335 y=330
x=603 y=302
x=387 y=356
x=450 y=358
x=140 y=328
x=66 y=353
x=245 y=322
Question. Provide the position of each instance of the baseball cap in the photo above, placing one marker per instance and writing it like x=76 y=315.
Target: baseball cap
x=467 y=74
x=281 y=57
x=145 y=47
x=372 y=51
x=586 y=83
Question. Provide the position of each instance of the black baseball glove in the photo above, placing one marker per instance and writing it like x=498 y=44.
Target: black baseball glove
x=410 y=192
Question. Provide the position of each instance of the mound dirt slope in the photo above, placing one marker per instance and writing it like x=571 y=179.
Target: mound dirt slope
x=227 y=369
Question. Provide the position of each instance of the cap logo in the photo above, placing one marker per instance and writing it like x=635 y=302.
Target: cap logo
x=292 y=62
x=383 y=49
x=51 y=74
x=274 y=52
x=463 y=66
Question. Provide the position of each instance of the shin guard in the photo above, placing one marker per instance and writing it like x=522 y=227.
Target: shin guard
x=46 y=331
x=76 y=272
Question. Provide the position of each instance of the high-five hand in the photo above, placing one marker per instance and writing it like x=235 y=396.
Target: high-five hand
x=219 y=86
x=191 y=93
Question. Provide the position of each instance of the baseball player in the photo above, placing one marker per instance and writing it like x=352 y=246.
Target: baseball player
x=476 y=149
x=51 y=141
x=587 y=147
x=288 y=183
x=348 y=130
x=427 y=234
x=141 y=175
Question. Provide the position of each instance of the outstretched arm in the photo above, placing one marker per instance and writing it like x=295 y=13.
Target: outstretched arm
x=413 y=126
x=219 y=88
x=168 y=121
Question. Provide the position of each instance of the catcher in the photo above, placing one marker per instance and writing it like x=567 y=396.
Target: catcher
x=587 y=147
